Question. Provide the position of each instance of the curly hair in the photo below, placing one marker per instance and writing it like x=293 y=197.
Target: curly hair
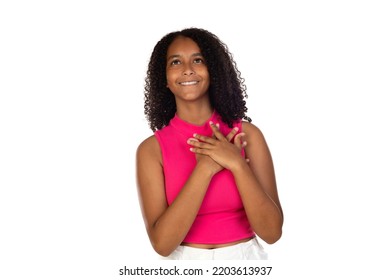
x=227 y=90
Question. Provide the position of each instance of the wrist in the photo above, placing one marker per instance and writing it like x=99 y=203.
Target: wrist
x=204 y=168
x=239 y=166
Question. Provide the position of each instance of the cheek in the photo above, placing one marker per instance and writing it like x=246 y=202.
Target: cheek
x=171 y=77
x=170 y=83
x=207 y=78
x=205 y=74
x=168 y=79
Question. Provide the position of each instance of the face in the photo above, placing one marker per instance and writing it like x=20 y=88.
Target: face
x=187 y=74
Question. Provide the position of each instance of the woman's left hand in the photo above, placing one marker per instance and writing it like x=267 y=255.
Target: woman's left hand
x=219 y=147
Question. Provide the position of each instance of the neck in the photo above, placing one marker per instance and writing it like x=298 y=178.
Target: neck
x=195 y=113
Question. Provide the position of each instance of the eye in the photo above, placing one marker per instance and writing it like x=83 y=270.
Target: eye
x=175 y=62
x=198 y=60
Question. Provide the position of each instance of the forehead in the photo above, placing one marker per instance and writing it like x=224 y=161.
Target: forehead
x=182 y=45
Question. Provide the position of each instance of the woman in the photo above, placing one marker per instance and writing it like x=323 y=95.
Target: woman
x=205 y=178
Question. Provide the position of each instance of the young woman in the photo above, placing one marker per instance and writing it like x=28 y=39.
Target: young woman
x=205 y=178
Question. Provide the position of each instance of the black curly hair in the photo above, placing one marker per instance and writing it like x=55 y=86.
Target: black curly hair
x=227 y=90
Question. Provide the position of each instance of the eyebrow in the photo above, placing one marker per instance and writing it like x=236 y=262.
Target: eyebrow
x=176 y=55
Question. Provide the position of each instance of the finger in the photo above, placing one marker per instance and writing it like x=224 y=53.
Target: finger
x=238 y=141
x=231 y=134
x=196 y=143
x=216 y=132
x=213 y=135
x=192 y=139
x=204 y=138
x=199 y=151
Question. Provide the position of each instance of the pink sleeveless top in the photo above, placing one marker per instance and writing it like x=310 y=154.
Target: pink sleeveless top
x=221 y=217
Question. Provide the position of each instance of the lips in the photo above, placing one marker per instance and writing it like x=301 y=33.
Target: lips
x=188 y=83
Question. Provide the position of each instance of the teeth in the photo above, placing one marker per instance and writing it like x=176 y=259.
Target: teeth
x=189 y=83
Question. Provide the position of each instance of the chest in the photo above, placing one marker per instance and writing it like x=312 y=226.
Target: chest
x=179 y=163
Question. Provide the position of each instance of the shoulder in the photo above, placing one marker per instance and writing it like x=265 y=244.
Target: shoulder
x=254 y=136
x=149 y=149
x=251 y=130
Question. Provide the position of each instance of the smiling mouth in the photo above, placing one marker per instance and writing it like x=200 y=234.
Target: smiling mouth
x=189 y=83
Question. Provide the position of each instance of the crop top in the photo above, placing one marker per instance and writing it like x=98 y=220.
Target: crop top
x=221 y=217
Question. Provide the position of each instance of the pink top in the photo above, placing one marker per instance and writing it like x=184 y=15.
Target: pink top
x=221 y=217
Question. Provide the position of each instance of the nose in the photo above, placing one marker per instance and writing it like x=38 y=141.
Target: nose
x=188 y=70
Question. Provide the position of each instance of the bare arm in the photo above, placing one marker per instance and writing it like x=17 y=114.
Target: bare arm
x=167 y=226
x=257 y=186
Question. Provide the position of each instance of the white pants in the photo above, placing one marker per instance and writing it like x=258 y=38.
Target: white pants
x=250 y=250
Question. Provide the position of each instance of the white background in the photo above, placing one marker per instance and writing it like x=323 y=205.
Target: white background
x=71 y=117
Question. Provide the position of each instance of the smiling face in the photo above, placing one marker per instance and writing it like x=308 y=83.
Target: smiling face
x=187 y=74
